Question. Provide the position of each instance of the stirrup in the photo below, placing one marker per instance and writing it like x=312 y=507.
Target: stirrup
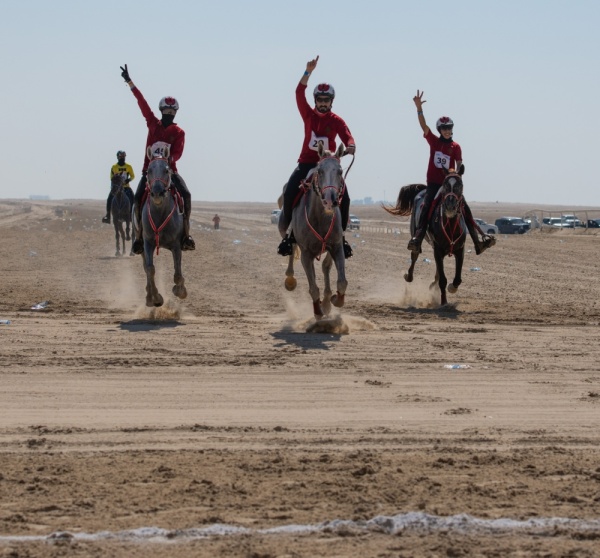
x=285 y=248
x=188 y=243
x=348 y=253
x=138 y=246
x=414 y=245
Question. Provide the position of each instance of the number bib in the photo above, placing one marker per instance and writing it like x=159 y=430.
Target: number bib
x=160 y=149
x=441 y=160
x=314 y=142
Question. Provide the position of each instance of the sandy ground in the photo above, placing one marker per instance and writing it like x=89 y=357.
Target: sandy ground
x=214 y=425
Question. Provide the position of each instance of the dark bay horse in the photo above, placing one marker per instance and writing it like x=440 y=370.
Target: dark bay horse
x=120 y=210
x=162 y=226
x=317 y=226
x=446 y=229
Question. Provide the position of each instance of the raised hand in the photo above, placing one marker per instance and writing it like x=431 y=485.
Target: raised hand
x=125 y=73
x=310 y=66
x=418 y=99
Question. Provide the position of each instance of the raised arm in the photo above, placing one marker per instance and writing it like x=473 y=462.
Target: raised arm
x=310 y=66
x=418 y=99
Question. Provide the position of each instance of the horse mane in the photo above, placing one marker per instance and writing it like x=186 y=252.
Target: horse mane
x=404 y=203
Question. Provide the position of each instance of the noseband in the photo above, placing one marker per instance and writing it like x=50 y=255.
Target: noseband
x=165 y=182
x=320 y=190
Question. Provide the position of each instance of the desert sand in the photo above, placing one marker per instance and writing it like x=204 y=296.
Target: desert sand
x=220 y=426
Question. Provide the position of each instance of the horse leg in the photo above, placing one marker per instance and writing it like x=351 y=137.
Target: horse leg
x=409 y=275
x=340 y=264
x=326 y=268
x=290 y=280
x=441 y=276
x=459 y=256
x=179 y=289
x=309 y=269
x=117 y=244
x=127 y=227
x=153 y=297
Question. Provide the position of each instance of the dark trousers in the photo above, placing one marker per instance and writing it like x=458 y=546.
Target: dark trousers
x=293 y=189
x=127 y=191
x=180 y=186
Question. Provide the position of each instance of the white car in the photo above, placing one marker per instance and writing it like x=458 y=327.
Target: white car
x=486 y=227
x=353 y=222
x=275 y=216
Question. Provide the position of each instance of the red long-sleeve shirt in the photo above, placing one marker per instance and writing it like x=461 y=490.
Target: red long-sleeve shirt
x=172 y=134
x=319 y=126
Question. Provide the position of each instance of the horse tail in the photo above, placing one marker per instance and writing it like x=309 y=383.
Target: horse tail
x=405 y=201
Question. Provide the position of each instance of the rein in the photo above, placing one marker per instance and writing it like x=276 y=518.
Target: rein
x=446 y=222
x=157 y=230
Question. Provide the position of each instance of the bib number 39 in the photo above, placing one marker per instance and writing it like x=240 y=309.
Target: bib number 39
x=441 y=160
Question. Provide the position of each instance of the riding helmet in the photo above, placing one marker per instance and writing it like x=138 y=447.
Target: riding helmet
x=121 y=154
x=444 y=121
x=168 y=103
x=324 y=90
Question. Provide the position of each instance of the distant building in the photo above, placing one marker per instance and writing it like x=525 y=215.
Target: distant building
x=38 y=197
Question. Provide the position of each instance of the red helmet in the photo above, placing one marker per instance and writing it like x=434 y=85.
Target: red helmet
x=444 y=121
x=324 y=90
x=168 y=103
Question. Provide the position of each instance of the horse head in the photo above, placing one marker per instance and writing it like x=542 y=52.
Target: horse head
x=328 y=181
x=452 y=193
x=116 y=183
x=159 y=175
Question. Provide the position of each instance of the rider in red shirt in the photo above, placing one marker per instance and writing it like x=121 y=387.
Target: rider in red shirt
x=320 y=124
x=167 y=131
x=444 y=154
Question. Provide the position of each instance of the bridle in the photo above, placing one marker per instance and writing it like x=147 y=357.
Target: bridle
x=167 y=184
x=451 y=225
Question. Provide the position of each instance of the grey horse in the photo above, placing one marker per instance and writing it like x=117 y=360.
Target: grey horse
x=317 y=226
x=162 y=224
x=121 y=212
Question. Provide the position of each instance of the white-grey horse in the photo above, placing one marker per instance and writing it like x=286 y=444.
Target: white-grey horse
x=317 y=226
x=162 y=224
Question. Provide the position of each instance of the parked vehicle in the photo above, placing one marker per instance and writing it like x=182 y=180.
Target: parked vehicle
x=353 y=222
x=512 y=225
x=275 y=216
x=593 y=223
x=486 y=227
x=572 y=220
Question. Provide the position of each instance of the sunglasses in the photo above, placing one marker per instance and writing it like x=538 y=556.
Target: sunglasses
x=446 y=127
x=323 y=99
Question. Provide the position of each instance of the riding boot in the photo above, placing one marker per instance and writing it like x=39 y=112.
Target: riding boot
x=106 y=219
x=187 y=242
x=414 y=244
x=138 y=244
x=285 y=247
x=347 y=248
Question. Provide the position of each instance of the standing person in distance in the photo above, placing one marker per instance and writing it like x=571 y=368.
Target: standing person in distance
x=164 y=130
x=320 y=124
x=444 y=154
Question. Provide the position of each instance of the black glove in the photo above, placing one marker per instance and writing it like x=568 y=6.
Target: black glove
x=125 y=73
x=128 y=180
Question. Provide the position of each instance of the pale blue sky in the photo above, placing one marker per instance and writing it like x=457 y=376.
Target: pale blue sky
x=519 y=78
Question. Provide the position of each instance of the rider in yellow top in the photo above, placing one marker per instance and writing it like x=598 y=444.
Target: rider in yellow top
x=120 y=167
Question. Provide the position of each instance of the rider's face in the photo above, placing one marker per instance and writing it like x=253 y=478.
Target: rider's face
x=446 y=132
x=169 y=111
x=323 y=103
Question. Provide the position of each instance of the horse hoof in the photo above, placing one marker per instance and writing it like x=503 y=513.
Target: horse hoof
x=338 y=300
x=452 y=289
x=290 y=283
x=408 y=278
x=326 y=307
x=180 y=291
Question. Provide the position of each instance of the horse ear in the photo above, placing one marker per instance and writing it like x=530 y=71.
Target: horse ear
x=149 y=152
x=340 y=150
x=167 y=151
x=461 y=169
x=320 y=149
